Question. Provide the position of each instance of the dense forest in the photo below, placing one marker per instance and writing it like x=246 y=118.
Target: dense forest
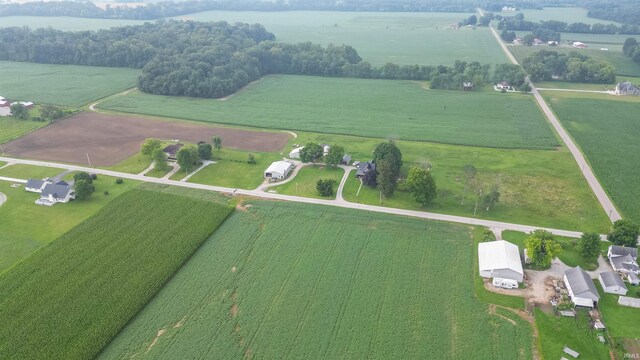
x=623 y=11
x=574 y=67
x=212 y=59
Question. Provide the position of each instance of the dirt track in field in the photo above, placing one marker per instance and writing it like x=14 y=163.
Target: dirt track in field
x=109 y=139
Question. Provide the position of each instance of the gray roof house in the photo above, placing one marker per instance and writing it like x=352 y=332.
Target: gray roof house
x=623 y=259
x=365 y=167
x=34 y=185
x=582 y=290
x=56 y=193
x=633 y=279
x=627 y=88
x=346 y=159
x=612 y=283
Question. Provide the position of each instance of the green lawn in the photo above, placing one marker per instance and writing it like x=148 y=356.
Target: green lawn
x=284 y=280
x=624 y=66
x=20 y=171
x=11 y=128
x=371 y=108
x=21 y=235
x=304 y=184
x=132 y=165
x=556 y=332
x=583 y=86
x=69 y=299
x=607 y=133
x=62 y=84
x=158 y=173
x=570 y=254
x=621 y=321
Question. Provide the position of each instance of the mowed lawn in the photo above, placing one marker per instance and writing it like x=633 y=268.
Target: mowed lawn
x=11 y=128
x=21 y=234
x=69 y=299
x=282 y=280
x=607 y=130
x=371 y=108
x=304 y=184
x=69 y=85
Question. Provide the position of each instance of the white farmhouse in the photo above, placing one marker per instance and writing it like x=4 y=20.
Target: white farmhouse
x=500 y=259
x=582 y=290
x=60 y=192
x=278 y=170
x=35 y=185
x=295 y=153
x=623 y=259
x=612 y=283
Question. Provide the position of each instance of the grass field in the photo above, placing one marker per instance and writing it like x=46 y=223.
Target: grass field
x=566 y=14
x=556 y=332
x=20 y=171
x=304 y=184
x=624 y=66
x=62 y=84
x=282 y=280
x=158 y=173
x=372 y=108
x=21 y=235
x=608 y=135
x=69 y=299
x=621 y=321
x=402 y=38
x=11 y=128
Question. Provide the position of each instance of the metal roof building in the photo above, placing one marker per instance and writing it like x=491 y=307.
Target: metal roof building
x=500 y=259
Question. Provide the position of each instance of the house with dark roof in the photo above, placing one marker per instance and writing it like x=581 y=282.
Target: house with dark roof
x=172 y=150
x=581 y=288
x=364 y=167
x=60 y=192
x=612 y=283
x=623 y=259
x=35 y=185
x=346 y=159
x=627 y=88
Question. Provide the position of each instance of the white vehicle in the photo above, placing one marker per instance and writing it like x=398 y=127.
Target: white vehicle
x=505 y=283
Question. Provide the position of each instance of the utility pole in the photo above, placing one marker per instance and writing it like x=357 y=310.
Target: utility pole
x=89 y=160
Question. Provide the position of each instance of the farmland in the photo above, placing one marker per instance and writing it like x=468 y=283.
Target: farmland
x=566 y=14
x=62 y=84
x=371 y=108
x=338 y=287
x=608 y=136
x=73 y=296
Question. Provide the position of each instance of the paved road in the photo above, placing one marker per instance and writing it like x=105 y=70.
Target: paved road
x=587 y=172
x=261 y=194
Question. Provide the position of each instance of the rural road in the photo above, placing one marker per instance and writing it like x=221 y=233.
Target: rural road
x=578 y=91
x=587 y=172
x=265 y=195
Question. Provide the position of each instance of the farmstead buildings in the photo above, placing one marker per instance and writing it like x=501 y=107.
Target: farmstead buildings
x=500 y=259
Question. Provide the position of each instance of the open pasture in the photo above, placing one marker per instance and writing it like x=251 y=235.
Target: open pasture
x=370 y=108
x=607 y=131
x=69 y=299
x=69 y=85
x=289 y=281
x=110 y=139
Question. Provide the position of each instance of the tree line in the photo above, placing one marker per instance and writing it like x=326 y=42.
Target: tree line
x=623 y=11
x=517 y=23
x=573 y=67
x=212 y=60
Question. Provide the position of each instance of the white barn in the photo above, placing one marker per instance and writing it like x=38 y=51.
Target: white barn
x=295 y=153
x=582 y=290
x=612 y=283
x=278 y=170
x=500 y=259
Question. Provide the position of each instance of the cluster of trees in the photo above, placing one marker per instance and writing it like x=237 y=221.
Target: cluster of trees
x=187 y=157
x=473 y=20
x=313 y=152
x=574 y=67
x=83 y=185
x=518 y=23
x=511 y=73
x=624 y=233
x=631 y=49
x=542 y=248
x=450 y=78
x=623 y=11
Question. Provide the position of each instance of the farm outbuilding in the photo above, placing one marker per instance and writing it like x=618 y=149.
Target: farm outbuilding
x=278 y=170
x=500 y=259
x=582 y=290
x=633 y=279
x=295 y=153
x=612 y=283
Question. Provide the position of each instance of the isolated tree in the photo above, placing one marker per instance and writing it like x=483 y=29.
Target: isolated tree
x=421 y=185
x=528 y=39
x=335 y=155
x=387 y=178
x=629 y=46
x=217 y=142
x=19 y=111
x=590 y=246
x=205 y=151
x=370 y=178
x=389 y=151
x=541 y=248
x=491 y=198
x=160 y=159
x=470 y=173
x=311 y=153
x=624 y=233
x=83 y=189
x=187 y=157
x=325 y=186
x=51 y=112
x=251 y=159
x=149 y=145
x=82 y=176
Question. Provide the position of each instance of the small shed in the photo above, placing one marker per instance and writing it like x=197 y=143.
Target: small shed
x=278 y=170
x=633 y=279
x=295 y=153
x=500 y=259
x=612 y=283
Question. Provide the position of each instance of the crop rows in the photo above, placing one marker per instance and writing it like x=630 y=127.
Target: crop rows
x=295 y=281
x=70 y=298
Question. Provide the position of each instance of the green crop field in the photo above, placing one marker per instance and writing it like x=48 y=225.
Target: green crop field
x=624 y=66
x=372 y=108
x=282 y=280
x=62 y=84
x=21 y=235
x=70 y=298
x=607 y=133
x=566 y=14
x=304 y=184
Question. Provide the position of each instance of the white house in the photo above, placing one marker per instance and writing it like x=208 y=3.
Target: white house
x=5 y=111
x=626 y=88
x=278 y=170
x=35 y=185
x=582 y=290
x=295 y=153
x=623 y=259
x=325 y=149
x=612 y=283
x=500 y=259
x=60 y=192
